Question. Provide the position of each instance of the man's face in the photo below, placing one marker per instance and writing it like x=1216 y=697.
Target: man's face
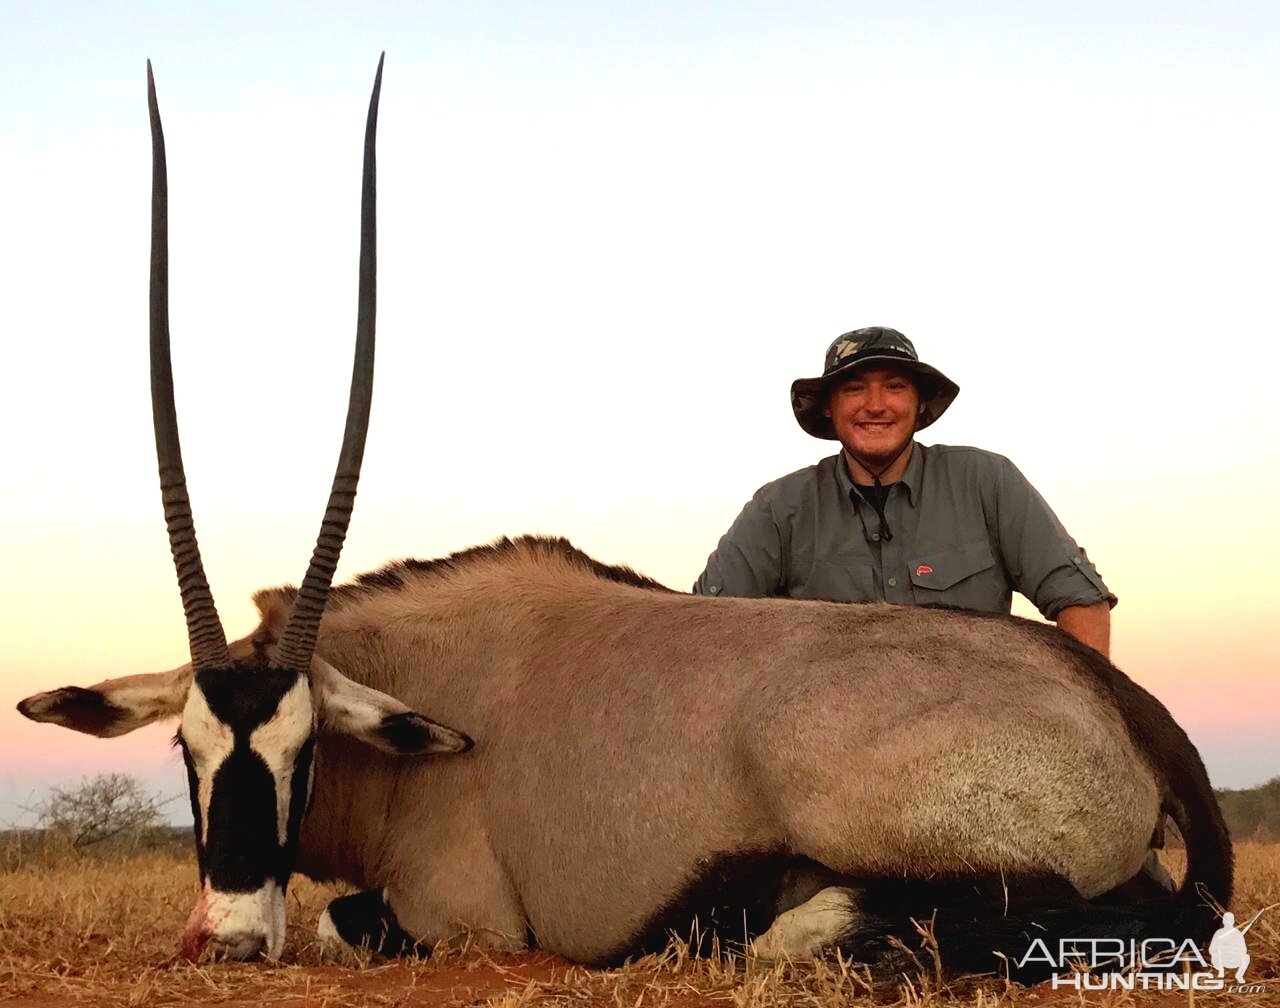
x=874 y=412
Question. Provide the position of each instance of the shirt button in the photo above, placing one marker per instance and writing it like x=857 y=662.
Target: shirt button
x=893 y=582
x=875 y=536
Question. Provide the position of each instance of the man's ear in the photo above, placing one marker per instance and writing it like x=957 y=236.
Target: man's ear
x=348 y=707
x=114 y=707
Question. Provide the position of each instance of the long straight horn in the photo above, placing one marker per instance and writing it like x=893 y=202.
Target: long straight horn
x=299 y=637
x=204 y=629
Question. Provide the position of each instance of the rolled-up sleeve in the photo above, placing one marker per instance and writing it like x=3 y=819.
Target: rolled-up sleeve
x=748 y=562
x=1044 y=563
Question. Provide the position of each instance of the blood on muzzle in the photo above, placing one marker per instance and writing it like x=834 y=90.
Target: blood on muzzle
x=236 y=925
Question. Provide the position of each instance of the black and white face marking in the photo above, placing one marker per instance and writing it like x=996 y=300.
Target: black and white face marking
x=247 y=736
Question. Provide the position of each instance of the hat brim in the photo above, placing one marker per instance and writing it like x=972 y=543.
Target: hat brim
x=809 y=395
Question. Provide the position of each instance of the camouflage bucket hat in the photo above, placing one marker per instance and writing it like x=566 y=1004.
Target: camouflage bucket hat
x=856 y=349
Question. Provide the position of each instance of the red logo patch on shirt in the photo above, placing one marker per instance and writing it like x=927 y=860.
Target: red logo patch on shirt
x=923 y=569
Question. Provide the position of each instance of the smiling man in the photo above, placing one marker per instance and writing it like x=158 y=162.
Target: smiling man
x=891 y=520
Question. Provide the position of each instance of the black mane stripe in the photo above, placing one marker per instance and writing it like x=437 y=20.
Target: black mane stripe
x=392 y=576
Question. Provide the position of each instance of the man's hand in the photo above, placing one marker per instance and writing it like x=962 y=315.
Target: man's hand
x=1089 y=624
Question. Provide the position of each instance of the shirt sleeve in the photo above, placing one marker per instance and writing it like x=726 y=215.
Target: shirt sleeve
x=1044 y=562
x=747 y=563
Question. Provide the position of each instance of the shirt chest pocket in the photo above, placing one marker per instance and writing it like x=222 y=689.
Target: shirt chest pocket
x=966 y=576
x=837 y=579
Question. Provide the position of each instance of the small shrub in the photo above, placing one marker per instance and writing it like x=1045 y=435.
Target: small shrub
x=109 y=810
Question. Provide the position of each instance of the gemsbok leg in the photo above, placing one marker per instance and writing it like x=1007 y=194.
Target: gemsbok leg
x=364 y=921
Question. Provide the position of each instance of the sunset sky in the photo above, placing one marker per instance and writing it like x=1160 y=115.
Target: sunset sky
x=609 y=239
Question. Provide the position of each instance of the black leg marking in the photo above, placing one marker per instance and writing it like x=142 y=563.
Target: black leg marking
x=986 y=924
x=363 y=920
x=732 y=896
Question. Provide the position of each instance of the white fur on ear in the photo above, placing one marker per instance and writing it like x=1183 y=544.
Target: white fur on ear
x=374 y=717
x=115 y=706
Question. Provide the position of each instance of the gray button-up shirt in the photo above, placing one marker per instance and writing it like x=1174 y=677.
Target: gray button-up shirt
x=967 y=530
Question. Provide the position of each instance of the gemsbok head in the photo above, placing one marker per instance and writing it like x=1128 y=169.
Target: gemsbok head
x=249 y=713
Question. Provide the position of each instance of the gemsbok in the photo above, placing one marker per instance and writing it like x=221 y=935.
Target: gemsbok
x=798 y=777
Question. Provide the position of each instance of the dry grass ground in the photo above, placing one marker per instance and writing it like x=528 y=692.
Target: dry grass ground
x=91 y=932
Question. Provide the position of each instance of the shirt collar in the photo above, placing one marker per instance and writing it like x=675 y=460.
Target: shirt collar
x=910 y=480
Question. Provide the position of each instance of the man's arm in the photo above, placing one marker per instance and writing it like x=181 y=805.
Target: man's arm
x=1089 y=624
x=748 y=561
x=1046 y=565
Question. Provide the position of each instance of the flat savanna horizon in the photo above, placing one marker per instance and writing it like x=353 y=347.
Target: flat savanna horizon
x=104 y=931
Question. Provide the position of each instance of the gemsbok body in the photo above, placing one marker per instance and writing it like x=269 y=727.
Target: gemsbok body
x=796 y=776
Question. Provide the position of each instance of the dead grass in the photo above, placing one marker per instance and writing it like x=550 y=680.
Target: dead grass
x=77 y=931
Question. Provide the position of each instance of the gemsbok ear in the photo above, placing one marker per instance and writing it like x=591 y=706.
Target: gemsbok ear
x=114 y=707
x=382 y=721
